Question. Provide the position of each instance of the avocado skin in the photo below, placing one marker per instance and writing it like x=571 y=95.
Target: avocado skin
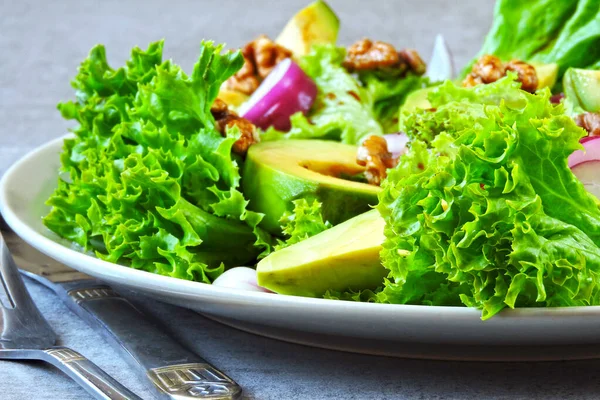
x=314 y=24
x=271 y=188
x=582 y=86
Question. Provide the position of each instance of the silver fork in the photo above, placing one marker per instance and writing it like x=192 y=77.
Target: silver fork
x=26 y=335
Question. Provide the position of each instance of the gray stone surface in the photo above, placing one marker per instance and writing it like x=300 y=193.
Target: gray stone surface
x=41 y=44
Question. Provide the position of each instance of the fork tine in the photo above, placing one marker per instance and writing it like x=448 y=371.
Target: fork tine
x=12 y=284
x=5 y=300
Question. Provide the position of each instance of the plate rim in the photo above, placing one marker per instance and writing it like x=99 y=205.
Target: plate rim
x=160 y=283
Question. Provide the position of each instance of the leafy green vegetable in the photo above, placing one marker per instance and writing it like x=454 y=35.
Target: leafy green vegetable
x=563 y=32
x=365 y=296
x=347 y=108
x=147 y=181
x=388 y=95
x=342 y=110
x=305 y=221
x=483 y=209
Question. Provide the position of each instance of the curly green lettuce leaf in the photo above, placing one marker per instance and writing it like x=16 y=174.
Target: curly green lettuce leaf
x=348 y=108
x=342 y=110
x=364 y=296
x=147 y=181
x=388 y=95
x=563 y=32
x=305 y=221
x=484 y=211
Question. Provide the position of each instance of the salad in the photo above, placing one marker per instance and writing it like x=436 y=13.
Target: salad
x=355 y=173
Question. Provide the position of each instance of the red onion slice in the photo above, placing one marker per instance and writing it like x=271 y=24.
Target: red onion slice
x=396 y=143
x=557 y=98
x=284 y=92
x=591 y=152
x=589 y=174
x=242 y=278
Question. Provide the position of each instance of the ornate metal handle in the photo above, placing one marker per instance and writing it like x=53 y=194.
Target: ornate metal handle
x=197 y=380
x=91 y=377
x=174 y=371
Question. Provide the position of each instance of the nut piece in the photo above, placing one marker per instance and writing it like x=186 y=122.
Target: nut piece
x=245 y=80
x=374 y=155
x=366 y=55
x=260 y=57
x=490 y=68
x=414 y=60
x=590 y=122
x=472 y=80
x=226 y=118
x=527 y=75
x=219 y=109
x=266 y=54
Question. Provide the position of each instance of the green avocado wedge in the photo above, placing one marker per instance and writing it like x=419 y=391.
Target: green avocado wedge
x=547 y=74
x=345 y=257
x=417 y=100
x=582 y=87
x=314 y=24
x=275 y=173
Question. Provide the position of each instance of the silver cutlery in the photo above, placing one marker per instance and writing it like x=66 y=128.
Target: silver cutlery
x=26 y=335
x=165 y=365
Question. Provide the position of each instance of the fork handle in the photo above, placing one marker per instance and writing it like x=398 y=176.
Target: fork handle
x=90 y=376
x=168 y=367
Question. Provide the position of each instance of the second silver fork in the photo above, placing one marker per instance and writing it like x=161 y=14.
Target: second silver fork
x=26 y=335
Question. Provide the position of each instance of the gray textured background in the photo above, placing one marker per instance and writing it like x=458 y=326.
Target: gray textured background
x=41 y=44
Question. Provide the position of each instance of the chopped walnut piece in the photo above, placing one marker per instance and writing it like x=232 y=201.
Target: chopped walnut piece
x=260 y=57
x=368 y=55
x=527 y=75
x=590 y=122
x=248 y=136
x=414 y=60
x=245 y=80
x=266 y=54
x=218 y=109
x=471 y=80
x=226 y=118
x=490 y=68
x=374 y=155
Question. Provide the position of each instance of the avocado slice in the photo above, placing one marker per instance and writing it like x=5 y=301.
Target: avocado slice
x=417 y=100
x=341 y=258
x=316 y=23
x=277 y=172
x=582 y=87
x=546 y=74
x=232 y=97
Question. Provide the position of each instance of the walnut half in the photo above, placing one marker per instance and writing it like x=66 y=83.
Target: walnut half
x=226 y=118
x=490 y=68
x=260 y=57
x=368 y=55
x=374 y=155
x=527 y=75
x=590 y=122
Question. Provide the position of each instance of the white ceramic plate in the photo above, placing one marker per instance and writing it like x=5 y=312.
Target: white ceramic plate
x=398 y=330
